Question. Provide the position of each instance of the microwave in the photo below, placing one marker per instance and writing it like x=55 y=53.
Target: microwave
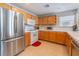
x=30 y=22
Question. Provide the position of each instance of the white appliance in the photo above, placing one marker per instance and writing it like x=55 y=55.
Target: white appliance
x=33 y=33
x=29 y=28
x=34 y=36
x=31 y=22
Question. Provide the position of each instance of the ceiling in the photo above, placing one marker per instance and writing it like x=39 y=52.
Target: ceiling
x=46 y=8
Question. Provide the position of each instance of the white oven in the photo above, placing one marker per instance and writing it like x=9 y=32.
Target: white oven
x=34 y=36
x=33 y=33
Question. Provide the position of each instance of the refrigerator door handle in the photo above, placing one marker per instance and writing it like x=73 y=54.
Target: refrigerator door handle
x=15 y=23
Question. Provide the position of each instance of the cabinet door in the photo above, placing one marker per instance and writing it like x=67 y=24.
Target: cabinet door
x=20 y=44
x=29 y=16
x=60 y=37
x=40 y=21
x=45 y=35
x=52 y=36
x=41 y=35
x=35 y=18
x=45 y=18
x=27 y=38
x=52 y=20
x=68 y=44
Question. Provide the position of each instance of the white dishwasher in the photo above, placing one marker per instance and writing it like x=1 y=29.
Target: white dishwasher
x=34 y=36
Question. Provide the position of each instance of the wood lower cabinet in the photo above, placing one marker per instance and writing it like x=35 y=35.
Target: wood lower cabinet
x=52 y=36
x=69 y=44
x=45 y=35
x=27 y=38
x=60 y=37
x=41 y=35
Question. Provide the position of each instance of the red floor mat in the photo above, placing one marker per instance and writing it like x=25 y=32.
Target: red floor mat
x=36 y=44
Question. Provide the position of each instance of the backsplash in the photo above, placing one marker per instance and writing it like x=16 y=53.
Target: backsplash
x=44 y=27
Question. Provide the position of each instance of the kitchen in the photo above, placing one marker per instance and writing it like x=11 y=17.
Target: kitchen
x=39 y=29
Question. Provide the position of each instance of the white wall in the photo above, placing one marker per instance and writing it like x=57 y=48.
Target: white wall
x=66 y=13
x=77 y=18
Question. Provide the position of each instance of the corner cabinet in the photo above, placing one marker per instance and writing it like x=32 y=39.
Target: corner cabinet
x=60 y=37
x=69 y=44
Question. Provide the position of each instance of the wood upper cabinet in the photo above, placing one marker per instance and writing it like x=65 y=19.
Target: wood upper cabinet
x=27 y=38
x=29 y=16
x=45 y=20
x=60 y=37
x=35 y=18
x=6 y=6
x=52 y=20
x=40 y=20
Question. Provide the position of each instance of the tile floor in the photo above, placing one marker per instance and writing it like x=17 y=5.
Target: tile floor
x=45 y=49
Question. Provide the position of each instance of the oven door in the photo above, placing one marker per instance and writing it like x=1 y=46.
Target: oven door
x=34 y=36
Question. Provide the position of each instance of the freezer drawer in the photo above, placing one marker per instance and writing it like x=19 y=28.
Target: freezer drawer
x=20 y=45
x=12 y=47
x=8 y=48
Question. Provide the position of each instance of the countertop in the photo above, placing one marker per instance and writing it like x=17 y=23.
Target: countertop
x=32 y=31
x=73 y=34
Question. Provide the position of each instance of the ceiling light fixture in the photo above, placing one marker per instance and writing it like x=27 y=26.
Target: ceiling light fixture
x=47 y=5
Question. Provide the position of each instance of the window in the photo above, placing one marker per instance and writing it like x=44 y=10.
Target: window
x=66 y=20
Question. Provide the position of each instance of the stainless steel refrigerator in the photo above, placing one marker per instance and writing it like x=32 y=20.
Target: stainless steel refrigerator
x=11 y=33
